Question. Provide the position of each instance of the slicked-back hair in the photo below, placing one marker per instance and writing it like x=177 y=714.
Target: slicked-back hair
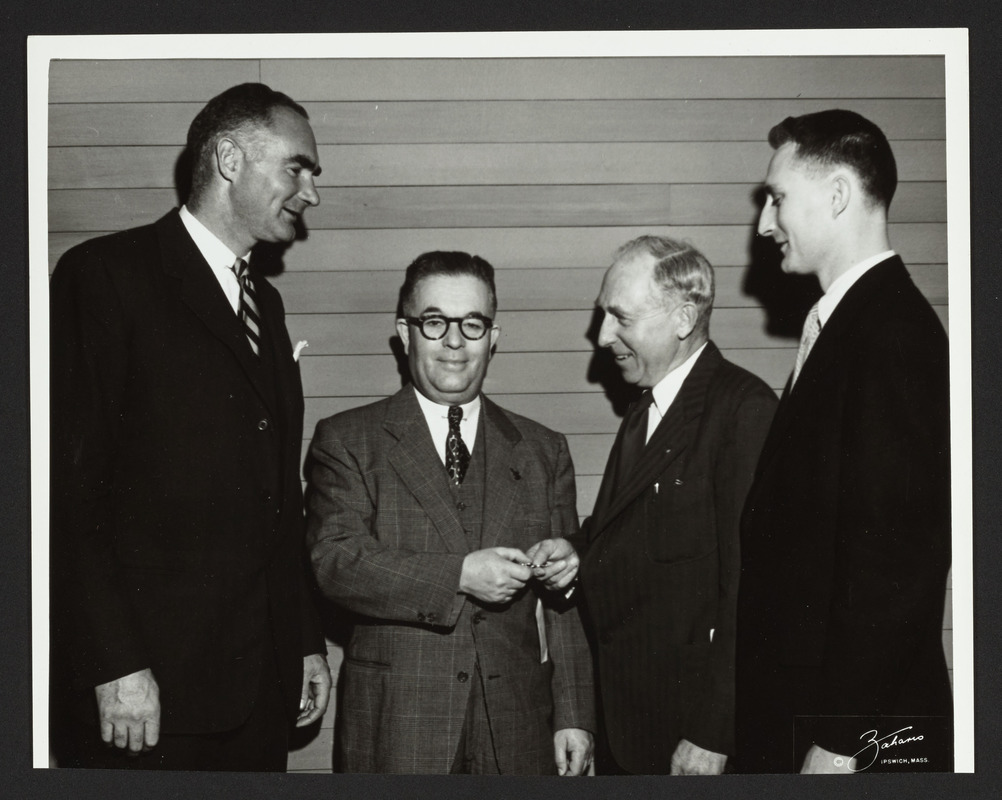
x=239 y=110
x=448 y=263
x=680 y=270
x=839 y=137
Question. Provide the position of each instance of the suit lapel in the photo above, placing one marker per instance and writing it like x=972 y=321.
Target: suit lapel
x=504 y=471
x=200 y=291
x=420 y=469
x=672 y=436
x=823 y=361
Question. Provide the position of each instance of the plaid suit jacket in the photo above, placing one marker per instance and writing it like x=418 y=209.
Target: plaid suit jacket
x=387 y=545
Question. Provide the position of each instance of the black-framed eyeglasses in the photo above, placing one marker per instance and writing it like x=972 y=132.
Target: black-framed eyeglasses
x=435 y=326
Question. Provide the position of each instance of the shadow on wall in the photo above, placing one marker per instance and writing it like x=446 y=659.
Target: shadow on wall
x=786 y=298
x=602 y=370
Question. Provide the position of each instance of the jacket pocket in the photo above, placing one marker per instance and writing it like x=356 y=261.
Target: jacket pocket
x=679 y=519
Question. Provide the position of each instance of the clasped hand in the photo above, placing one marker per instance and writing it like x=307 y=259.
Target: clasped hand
x=497 y=574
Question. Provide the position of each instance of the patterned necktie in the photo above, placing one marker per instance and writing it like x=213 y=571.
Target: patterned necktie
x=812 y=329
x=249 y=315
x=457 y=457
x=634 y=438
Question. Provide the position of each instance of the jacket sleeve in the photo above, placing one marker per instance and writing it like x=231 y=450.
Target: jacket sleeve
x=711 y=725
x=354 y=566
x=90 y=345
x=573 y=682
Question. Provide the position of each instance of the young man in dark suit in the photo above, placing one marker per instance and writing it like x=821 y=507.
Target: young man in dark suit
x=660 y=553
x=846 y=532
x=421 y=508
x=181 y=608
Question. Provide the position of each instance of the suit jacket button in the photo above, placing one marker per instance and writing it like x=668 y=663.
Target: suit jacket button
x=460 y=505
x=462 y=677
x=420 y=616
x=262 y=425
x=431 y=617
x=478 y=617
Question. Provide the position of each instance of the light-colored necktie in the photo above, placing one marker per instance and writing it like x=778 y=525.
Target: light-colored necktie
x=248 y=312
x=812 y=329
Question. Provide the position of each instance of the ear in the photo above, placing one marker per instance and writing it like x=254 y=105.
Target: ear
x=842 y=188
x=404 y=332
x=495 y=334
x=229 y=158
x=686 y=320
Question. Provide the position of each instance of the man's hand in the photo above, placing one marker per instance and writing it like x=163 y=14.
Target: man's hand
x=494 y=575
x=819 y=761
x=691 y=759
x=573 y=749
x=129 y=711
x=316 y=690
x=561 y=559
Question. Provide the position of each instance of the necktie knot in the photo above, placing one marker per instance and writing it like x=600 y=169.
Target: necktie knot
x=455 y=417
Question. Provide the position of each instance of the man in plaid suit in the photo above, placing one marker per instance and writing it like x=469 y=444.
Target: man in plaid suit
x=421 y=509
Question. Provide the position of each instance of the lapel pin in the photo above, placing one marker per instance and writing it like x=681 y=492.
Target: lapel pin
x=515 y=473
x=678 y=481
x=656 y=485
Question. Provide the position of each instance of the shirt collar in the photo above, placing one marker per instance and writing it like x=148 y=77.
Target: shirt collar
x=844 y=282
x=433 y=410
x=209 y=245
x=666 y=389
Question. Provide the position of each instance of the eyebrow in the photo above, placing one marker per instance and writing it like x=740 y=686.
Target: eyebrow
x=308 y=163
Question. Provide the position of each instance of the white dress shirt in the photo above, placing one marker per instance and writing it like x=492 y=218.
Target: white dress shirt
x=666 y=390
x=219 y=256
x=437 y=417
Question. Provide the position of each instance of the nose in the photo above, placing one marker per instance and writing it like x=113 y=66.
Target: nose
x=607 y=332
x=453 y=338
x=309 y=191
x=767 y=219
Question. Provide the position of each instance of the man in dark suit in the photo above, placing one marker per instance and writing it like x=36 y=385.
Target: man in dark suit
x=420 y=510
x=180 y=590
x=846 y=533
x=660 y=552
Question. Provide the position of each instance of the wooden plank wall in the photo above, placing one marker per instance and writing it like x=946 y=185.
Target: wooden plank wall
x=542 y=166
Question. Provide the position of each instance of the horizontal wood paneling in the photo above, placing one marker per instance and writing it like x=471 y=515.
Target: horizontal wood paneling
x=639 y=120
x=531 y=164
x=351 y=250
x=522 y=289
x=598 y=78
x=162 y=81
x=480 y=206
x=509 y=372
x=521 y=331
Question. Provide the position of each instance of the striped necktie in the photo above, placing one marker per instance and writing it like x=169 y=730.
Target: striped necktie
x=812 y=329
x=248 y=313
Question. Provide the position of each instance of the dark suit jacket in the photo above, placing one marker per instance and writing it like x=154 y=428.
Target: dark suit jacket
x=846 y=533
x=387 y=545
x=177 y=507
x=660 y=569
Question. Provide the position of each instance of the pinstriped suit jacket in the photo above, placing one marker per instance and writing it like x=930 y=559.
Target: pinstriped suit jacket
x=660 y=565
x=387 y=545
